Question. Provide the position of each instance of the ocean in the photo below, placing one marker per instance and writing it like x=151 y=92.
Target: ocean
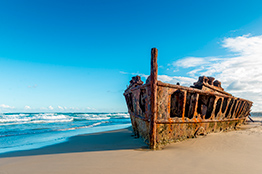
x=24 y=131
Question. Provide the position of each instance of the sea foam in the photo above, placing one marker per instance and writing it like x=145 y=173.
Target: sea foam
x=20 y=131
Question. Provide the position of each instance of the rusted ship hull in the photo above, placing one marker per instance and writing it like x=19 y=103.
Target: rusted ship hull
x=162 y=113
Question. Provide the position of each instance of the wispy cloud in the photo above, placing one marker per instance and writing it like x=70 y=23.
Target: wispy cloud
x=190 y=62
x=50 y=107
x=64 y=108
x=240 y=74
x=244 y=45
x=61 y=108
x=186 y=81
x=4 y=106
x=90 y=109
x=27 y=107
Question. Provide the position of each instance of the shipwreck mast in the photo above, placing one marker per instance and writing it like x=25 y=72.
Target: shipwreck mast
x=153 y=98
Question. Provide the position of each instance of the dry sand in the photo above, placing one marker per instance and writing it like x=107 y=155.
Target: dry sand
x=118 y=152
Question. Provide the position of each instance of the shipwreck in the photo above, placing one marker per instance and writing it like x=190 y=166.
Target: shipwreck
x=162 y=113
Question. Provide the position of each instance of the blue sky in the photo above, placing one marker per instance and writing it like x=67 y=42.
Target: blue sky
x=78 y=56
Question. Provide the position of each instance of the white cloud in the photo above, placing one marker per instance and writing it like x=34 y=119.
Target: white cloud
x=4 y=106
x=186 y=81
x=65 y=109
x=190 y=62
x=240 y=74
x=60 y=107
x=123 y=72
x=244 y=45
x=27 y=107
x=90 y=109
x=50 y=107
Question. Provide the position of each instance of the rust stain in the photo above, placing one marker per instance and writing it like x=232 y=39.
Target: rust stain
x=162 y=113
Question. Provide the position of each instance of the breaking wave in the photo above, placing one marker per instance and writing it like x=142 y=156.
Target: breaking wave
x=21 y=130
x=36 y=118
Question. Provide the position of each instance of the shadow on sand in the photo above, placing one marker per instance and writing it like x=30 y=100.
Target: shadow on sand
x=113 y=140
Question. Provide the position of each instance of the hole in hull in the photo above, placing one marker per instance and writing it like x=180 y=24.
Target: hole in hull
x=177 y=102
x=142 y=100
x=218 y=105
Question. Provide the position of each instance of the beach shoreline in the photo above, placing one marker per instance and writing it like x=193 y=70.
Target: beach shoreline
x=119 y=152
x=20 y=131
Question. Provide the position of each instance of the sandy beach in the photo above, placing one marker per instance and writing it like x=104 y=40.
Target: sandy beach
x=119 y=152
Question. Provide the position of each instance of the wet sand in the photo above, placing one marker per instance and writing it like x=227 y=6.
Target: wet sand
x=119 y=152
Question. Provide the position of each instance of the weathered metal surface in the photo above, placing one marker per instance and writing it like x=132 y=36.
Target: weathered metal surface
x=153 y=95
x=168 y=133
x=162 y=113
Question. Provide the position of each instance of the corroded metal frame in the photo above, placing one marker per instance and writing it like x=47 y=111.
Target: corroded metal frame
x=155 y=125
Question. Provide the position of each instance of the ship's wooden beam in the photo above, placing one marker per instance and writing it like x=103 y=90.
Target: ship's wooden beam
x=153 y=97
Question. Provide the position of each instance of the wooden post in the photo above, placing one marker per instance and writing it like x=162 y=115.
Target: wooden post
x=153 y=97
